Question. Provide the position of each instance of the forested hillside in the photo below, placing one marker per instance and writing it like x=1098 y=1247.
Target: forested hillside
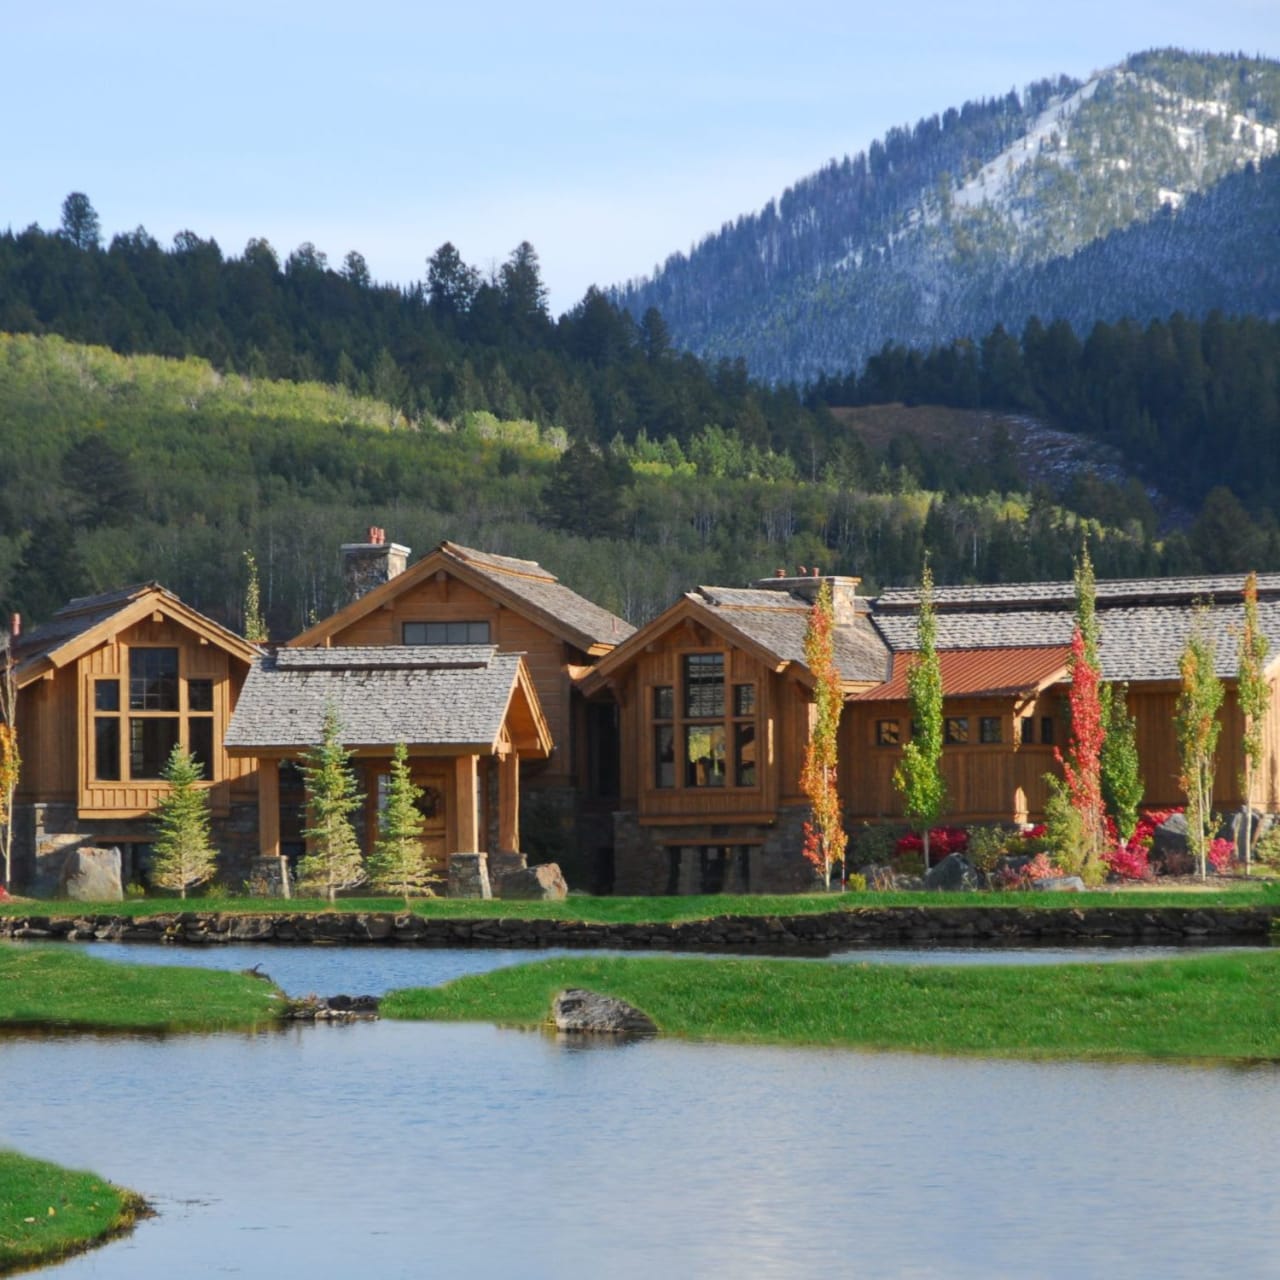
x=972 y=219
x=118 y=469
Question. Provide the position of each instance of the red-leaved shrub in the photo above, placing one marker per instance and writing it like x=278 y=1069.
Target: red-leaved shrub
x=1222 y=853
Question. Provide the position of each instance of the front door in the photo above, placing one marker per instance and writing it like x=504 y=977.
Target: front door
x=433 y=805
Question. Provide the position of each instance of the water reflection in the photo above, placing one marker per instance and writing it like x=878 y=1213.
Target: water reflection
x=451 y=1150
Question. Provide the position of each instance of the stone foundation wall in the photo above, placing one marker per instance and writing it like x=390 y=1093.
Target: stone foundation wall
x=811 y=934
x=44 y=834
x=763 y=859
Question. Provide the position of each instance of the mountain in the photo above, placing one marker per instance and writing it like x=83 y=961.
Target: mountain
x=987 y=215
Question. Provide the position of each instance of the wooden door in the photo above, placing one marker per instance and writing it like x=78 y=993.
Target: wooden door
x=433 y=804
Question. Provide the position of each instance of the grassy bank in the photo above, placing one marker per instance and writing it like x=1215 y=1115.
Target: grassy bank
x=66 y=988
x=1225 y=1006
x=668 y=910
x=47 y=1212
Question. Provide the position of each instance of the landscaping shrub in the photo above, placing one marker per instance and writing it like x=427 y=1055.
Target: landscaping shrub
x=1267 y=849
x=987 y=845
x=1222 y=855
x=873 y=846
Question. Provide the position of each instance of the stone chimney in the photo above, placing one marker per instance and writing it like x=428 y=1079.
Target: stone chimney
x=805 y=584
x=369 y=564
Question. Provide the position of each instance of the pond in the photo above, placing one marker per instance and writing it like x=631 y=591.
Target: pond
x=413 y=1149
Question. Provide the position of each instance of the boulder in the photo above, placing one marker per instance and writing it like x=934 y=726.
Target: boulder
x=880 y=879
x=954 y=874
x=579 y=1011
x=1059 y=884
x=1170 y=836
x=543 y=882
x=91 y=875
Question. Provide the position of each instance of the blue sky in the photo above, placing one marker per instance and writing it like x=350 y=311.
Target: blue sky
x=607 y=135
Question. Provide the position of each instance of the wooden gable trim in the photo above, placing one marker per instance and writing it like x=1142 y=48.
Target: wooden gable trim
x=684 y=612
x=522 y=687
x=441 y=561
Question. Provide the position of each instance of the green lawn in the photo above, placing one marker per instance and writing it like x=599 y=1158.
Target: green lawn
x=1222 y=1006
x=66 y=988
x=47 y=1212
x=669 y=910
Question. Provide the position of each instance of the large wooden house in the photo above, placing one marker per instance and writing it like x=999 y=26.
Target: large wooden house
x=715 y=703
x=457 y=595
x=1003 y=652
x=107 y=687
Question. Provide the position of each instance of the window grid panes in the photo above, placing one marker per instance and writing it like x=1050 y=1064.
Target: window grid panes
x=956 y=731
x=989 y=729
x=434 y=633
x=703 y=685
x=153 y=679
x=888 y=733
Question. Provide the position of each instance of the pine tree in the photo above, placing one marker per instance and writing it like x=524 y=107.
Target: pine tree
x=183 y=853
x=824 y=836
x=1253 y=693
x=333 y=861
x=398 y=863
x=918 y=777
x=1197 y=727
x=255 y=627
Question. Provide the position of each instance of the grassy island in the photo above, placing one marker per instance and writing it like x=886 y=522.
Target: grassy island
x=47 y=1212
x=47 y=987
x=1222 y=1006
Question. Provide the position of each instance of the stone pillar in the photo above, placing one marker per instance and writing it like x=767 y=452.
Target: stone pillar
x=469 y=876
x=466 y=793
x=509 y=803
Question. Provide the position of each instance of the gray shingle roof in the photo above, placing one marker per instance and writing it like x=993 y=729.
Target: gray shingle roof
x=777 y=621
x=1138 y=641
x=421 y=699
x=530 y=582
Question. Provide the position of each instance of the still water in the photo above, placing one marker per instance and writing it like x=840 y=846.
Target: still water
x=436 y=1150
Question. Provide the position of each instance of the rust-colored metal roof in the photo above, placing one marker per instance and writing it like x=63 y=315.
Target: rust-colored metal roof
x=980 y=673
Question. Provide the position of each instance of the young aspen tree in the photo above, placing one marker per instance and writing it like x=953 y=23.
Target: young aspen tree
x=333 y=861
x=255 y=627
x=1253 y=692
x=824 y=835
x=10 y=758
x=183 y=853
x=398 y=863
x=1197 y=726
x=918 y=777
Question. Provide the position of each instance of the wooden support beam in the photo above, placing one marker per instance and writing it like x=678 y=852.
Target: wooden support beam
x=269 y=808
x=509 y=803
x=467 y=795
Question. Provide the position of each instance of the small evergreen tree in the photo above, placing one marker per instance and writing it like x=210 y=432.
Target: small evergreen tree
x=1253 y=693
x=918 y=777
x=255 y=627
x=1197 y=727
x=333 y=861
x=183 y=854
x=824 y=835
x=1122 y=786
x=398 y=863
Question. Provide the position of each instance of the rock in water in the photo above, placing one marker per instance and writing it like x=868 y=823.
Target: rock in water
x=91 y=875
x=544 y=882
x=587 y=1011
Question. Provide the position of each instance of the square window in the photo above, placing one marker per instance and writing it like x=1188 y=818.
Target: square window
x=989 y=730
x=956 y=731
x=153 y=679
x=199 y=695
x=151 y=739
x=704 y=685
x=704 y=755
x=888 y=733
x=106 y=695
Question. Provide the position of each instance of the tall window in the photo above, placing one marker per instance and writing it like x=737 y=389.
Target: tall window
x=153 y=692
x=713 y=735
x=445 y=633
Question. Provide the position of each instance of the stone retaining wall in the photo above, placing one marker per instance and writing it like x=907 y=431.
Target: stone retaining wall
x=882 y=926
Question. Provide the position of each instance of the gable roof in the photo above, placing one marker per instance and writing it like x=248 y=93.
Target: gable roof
x=522 y=585
x=980 y=673
x=456 y=696
x=88 y=621
x=766 y=623
x=1143 y=622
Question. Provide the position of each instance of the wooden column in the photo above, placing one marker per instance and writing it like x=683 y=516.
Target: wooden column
x=466 y=792
x=509 y=803
x=269 y=808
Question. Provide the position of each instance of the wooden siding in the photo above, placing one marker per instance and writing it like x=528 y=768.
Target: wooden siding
x=444 y=598
x=57 y=722
x=781 y=716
